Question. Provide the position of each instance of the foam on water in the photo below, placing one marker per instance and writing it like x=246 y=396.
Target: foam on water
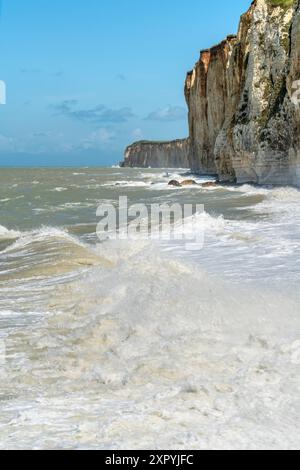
x=120 y=365
x=157 y=181
x=45 y=254
x=263 y=248
x=143 y=344
x=6 y=234
x=29 y=237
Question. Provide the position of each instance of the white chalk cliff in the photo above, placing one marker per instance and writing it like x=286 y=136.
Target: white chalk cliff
x=244 y=103
x=145 y=154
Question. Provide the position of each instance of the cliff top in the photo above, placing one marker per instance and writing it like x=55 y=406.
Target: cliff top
x=206 y=54
x=281 y=3
x=156 y=142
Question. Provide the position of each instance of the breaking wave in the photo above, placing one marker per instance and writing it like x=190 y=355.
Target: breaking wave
x=153 y=341
x=142 y=344
x=6 y=234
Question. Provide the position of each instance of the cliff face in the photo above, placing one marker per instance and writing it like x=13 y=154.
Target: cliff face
x=207 y=98
x=243 y=118
x=244 y=104
x=144 y=154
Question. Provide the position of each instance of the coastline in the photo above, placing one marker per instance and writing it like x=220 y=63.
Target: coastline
x=244 y=118
x=114 y=343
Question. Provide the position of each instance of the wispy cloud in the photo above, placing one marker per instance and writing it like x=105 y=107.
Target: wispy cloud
x=27 y=71
x=41 y=135
x=65 y=107
x=7 y=144
x=34 y=143
x=45 y=134
x=58 y=73
x=96 y=115
x=121 y=77
x=52 y=142
x=137 y=134
x=35 y=71
x=97 y=139
x=168 y=114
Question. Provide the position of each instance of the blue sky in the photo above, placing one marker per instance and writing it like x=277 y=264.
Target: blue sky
x=85 y=78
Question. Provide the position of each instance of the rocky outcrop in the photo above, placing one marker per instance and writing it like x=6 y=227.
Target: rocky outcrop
x=244 y=119
x=145 y=154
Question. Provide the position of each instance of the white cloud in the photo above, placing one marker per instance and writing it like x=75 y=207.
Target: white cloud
x=168 y=114
x=50 y=142
x=137 y=134
x=99 y=138
x=97 y=115
x=7 y=144
x=35 y=143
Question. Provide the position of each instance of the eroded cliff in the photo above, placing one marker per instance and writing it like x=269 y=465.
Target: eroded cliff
x=244 y=121
x=243 y=98
x=145 y=154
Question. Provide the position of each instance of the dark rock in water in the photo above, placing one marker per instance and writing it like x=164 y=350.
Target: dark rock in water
x=183 y=183
x=175 y=183
x=189 y=183
x=209 y=184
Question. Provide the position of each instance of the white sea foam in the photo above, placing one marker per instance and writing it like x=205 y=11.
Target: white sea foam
x=145 y=345
x=58 y=190
x=6 y=234
x=7 y=199
x=123 y=363
x=263 y=249
x=44 y=233
x=126 y=184
x=281 y=201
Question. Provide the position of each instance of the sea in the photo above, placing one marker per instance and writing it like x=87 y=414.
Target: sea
x=142 y=343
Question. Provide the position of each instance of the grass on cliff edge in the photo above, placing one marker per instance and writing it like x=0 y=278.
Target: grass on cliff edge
x=281 y=3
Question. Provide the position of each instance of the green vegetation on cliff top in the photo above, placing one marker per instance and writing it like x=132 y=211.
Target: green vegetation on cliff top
x=281 y=3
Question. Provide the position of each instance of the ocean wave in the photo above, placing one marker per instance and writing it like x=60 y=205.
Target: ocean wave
x=58 y=190
x=141 y=344
x=6 y=234
x=282 y=203
x=125 y=184
x=48 y=253
x=157 y=181
x=44 y=233
x=149 y=343
x=8 y=199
